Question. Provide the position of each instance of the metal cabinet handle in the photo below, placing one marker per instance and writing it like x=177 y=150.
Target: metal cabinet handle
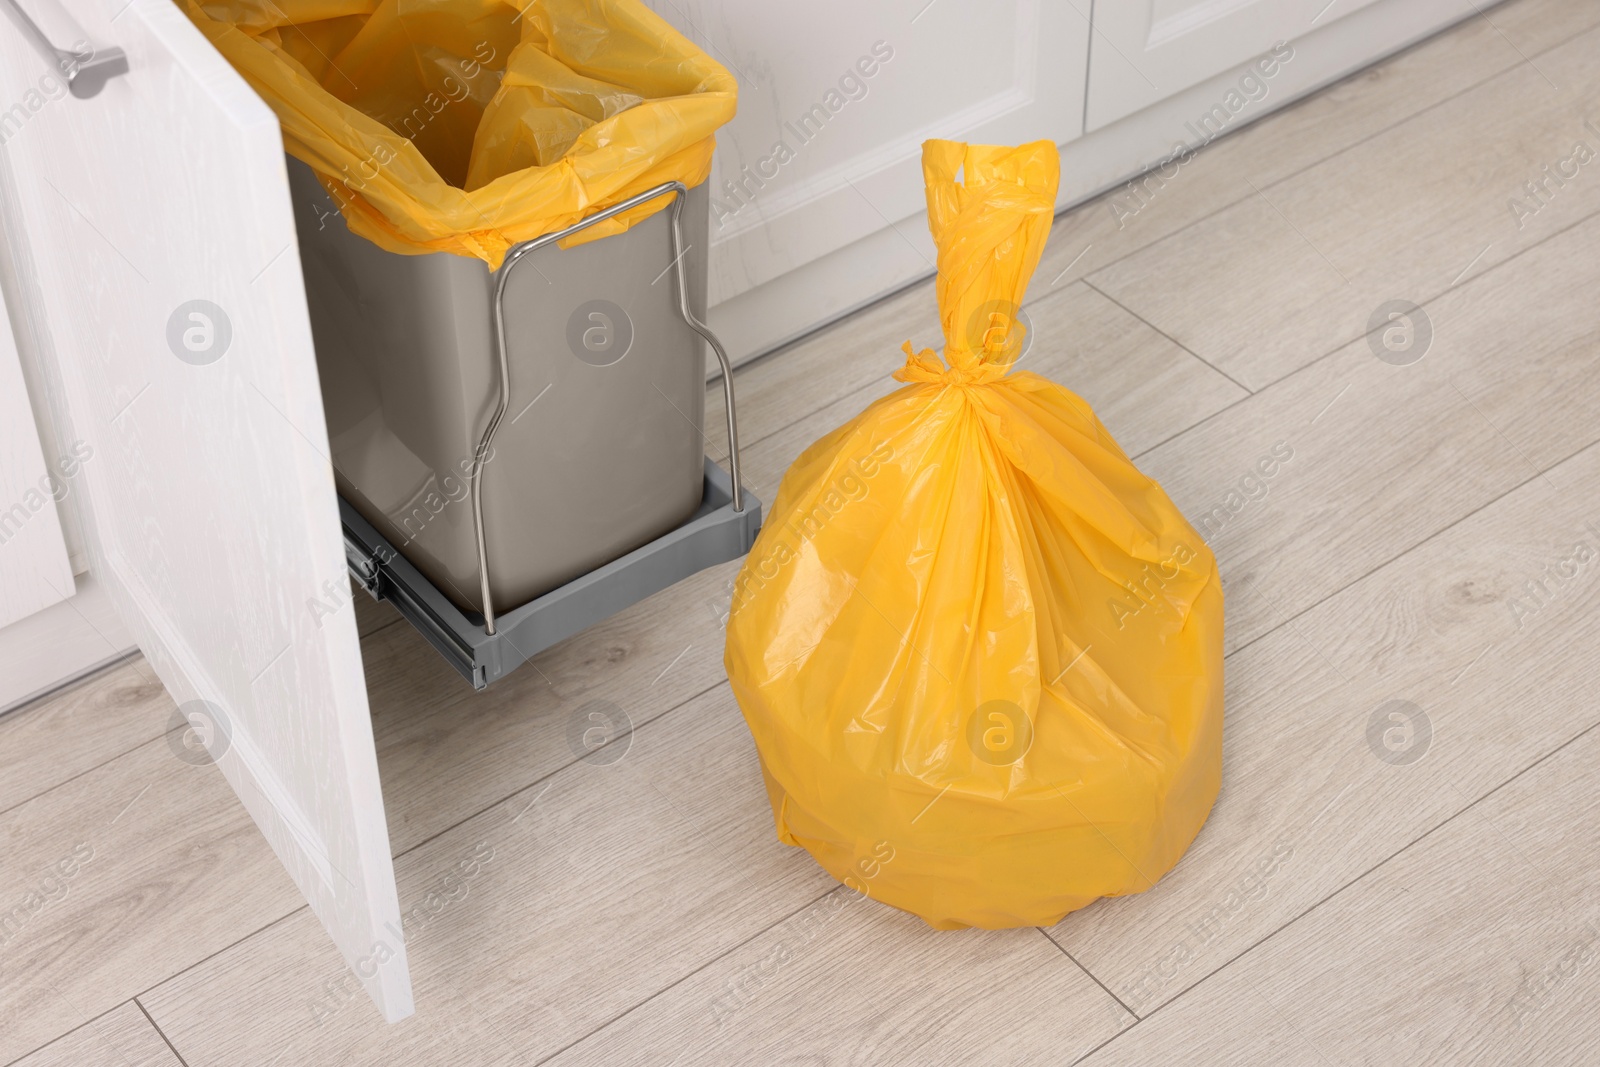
x=85 y=74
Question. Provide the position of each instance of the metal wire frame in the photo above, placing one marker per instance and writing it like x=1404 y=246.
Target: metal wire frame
x=513 y=257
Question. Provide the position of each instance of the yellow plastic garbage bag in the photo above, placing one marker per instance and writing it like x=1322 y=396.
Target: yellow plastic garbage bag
x=980 y=653
x=468 y=126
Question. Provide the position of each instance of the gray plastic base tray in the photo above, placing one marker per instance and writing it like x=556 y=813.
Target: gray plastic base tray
x=713 y=534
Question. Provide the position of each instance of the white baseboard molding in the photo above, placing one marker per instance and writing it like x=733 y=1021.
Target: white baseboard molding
x=770 y=316
x=61 y=644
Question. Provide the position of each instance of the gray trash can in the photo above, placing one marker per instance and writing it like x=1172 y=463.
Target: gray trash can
x=585 y=440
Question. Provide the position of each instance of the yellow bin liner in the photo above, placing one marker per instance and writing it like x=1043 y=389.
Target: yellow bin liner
x=469 y=126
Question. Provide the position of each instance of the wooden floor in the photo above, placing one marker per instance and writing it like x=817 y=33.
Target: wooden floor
x=1434 y=540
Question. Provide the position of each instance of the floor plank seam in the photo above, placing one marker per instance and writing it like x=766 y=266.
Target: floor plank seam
x=1092 y=976
x=1535 y=476
x=1248 y=392
x=1464 y=809
x=383 y=626
x=182 y=1062
x=1487 y=271
x=186 y=968
x=746 y=446
x=63 y=1036
x=722 y=680
x=303 y=907
x=90 y=770
x=684 y=978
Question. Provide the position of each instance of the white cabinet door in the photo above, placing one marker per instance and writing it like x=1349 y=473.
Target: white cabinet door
x=34 y=569
x=165 y=276
x=1145 y=50
x=835 y=100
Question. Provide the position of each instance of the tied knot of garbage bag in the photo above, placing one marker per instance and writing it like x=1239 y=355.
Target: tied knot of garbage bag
x=989 y=210
x=926 y=367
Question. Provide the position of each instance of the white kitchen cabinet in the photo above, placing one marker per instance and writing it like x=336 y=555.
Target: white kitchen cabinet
x=1144 y=51
x=35 y=571
x=154 y=245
